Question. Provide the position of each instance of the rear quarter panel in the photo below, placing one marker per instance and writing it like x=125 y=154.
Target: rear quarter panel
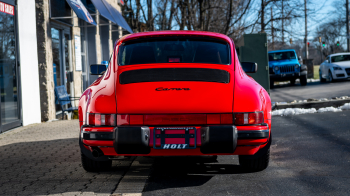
x=100 y=96
x=250 y=96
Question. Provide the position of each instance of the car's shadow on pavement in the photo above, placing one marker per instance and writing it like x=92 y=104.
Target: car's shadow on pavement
x=53 y=167
x=174 y=172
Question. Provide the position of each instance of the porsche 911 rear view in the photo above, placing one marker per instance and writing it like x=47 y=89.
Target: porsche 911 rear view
x=175 y=93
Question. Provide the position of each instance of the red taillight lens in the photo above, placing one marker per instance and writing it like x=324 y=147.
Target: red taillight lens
x=252 y=118
x=122 y=119
x=101 y=119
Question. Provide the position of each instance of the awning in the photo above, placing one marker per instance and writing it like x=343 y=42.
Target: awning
x=81 y=11
x=112 y=14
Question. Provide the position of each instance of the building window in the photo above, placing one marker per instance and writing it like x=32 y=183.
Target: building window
x=60 y=8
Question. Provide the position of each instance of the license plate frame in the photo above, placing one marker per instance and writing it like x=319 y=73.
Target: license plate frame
x=162 y=136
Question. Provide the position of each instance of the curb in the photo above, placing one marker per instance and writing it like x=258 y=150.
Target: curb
x=311 y=104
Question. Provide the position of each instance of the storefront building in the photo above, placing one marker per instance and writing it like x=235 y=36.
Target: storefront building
x=50 y=43
x=72 y=35
x=20 y=101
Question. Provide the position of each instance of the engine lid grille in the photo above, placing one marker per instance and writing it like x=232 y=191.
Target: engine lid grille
x=174 y=74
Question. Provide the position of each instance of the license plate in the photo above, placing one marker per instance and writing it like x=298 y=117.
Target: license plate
x=168 y=136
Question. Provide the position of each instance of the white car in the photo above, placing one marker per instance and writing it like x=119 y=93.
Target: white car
x=336 y=66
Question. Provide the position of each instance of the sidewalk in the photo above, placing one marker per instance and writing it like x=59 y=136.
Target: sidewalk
x=44 y=159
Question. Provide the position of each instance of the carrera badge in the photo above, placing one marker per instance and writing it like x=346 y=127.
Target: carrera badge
x=172 y=89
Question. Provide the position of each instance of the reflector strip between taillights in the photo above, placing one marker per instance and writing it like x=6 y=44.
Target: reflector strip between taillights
x=174 y=119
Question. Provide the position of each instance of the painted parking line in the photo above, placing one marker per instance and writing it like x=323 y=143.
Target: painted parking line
x=134 y=181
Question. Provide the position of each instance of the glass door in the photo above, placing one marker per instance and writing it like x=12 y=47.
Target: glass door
x=10 y=117
x=61 y=54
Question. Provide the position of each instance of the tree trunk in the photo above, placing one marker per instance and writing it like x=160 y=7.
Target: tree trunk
x=137 y=19
x=163 y=22
x=262 y=16
x=208 y=15
x=188 y=23
x=172 y=10
x=272 y=31
x=150 y=15
x=183 y=15
x=201 y=21
x=306 y=46
x=229 y=18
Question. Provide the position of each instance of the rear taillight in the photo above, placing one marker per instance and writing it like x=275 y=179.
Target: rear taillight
x=251 y=118
x=175 y=119
x=101 y=119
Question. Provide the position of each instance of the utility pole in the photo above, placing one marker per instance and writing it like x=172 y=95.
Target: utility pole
x=272 y=31
x=262 y=16
x=320 y=41
x=282 y=24
x=347 y=25
x=305 y=39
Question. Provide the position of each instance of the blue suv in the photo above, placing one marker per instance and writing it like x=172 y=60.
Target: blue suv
x=284 y=66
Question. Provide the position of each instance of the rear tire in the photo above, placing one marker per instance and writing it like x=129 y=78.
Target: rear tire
x=303 y=80
x=259 y=161
x=95 y=166
x=257 y=164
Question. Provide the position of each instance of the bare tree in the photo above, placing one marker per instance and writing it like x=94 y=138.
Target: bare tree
x=331 y=34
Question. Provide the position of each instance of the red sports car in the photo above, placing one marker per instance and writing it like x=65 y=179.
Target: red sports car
x=175 y=93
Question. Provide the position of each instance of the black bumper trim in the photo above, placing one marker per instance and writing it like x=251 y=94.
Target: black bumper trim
x=108 y=136
x=87 y=135
x=263 y=134
x=87 y=152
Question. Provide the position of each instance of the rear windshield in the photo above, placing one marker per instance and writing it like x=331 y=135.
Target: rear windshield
x=174 y=50
x=282 y=56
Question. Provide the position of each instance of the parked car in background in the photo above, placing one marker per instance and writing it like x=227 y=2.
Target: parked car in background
x=175 y=93
x=336 y=66
x=284 y=66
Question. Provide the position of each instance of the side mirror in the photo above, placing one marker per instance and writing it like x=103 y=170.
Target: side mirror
x=97 y=69
x=327 y=61
x=299 y=58
x=249 y=67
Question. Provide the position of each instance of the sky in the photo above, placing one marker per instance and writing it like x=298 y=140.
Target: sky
x=325 y=8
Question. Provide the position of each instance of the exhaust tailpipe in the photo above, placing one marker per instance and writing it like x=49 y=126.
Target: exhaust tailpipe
x=96 y=152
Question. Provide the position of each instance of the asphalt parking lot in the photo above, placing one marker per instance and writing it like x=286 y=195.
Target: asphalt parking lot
x=316 y=90
x=310 y=155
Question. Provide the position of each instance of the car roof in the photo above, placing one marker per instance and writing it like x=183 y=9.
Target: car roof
x=286 y=50
x=342 y=53
x=172 y=33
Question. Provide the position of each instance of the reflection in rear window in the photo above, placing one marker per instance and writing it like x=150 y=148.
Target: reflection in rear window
x=174 y=50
